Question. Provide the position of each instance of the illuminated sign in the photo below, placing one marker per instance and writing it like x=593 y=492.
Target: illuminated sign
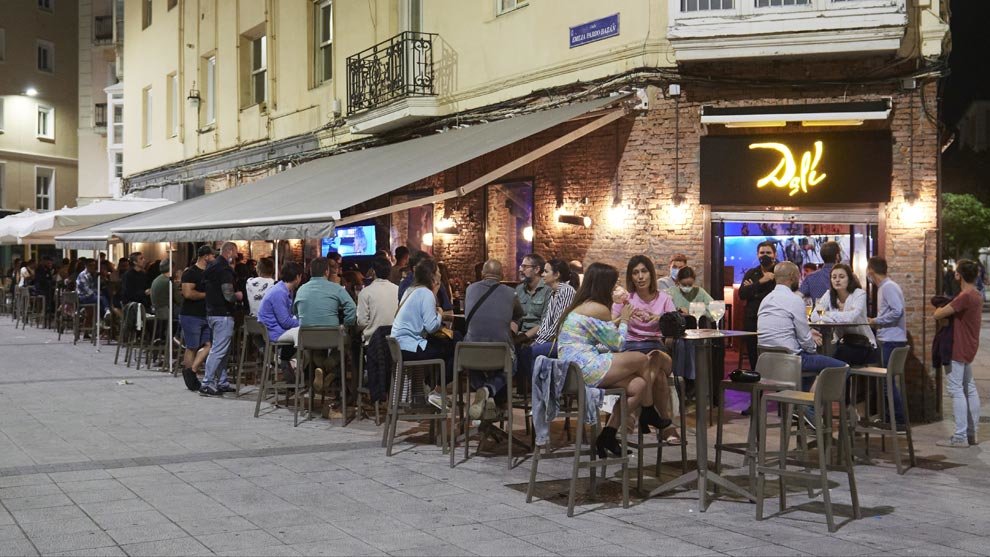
x=788 y=168
x=786 y=175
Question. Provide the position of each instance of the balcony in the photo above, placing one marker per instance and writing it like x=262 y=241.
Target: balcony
x=724 y=29
x=103 y=29
x=392 y=83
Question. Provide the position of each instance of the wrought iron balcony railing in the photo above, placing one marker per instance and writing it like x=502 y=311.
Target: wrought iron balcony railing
x=398 y=68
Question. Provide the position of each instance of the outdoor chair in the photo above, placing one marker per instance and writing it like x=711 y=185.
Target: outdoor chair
x=323 y=339
x=67 y=314
x=269 y=371
x=640 y=443
x=407 y=400
x=885 y=379
x=156 y=341
x=130 y=338
x=480 y=356
x=830 y=390
x=249 y=330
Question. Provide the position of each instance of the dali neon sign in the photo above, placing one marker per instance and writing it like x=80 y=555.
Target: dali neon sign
x=787 y=173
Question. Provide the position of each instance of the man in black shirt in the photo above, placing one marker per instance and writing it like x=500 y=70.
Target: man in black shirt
x=192 y=318
x=756 y=284
x=220 y=303
x=135 y=285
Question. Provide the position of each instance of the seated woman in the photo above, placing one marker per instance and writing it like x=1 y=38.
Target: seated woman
x=419 y=317
x=845 y=302
x=643 y=334
x=556 y=275
x=683 y=294
x=589 y=337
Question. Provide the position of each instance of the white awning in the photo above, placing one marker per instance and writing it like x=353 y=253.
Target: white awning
x=305 y=201
x=44 y=229
x=11 y=225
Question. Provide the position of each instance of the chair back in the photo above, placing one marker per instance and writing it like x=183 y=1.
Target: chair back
x=831 y=385
x=130 y=316
x=898 y=357
x=320 y=338
x=254 y=327
x=483 y=356
x=70 y=299
x=394 y=351
x=761 y=349
x=163 y=313
x=780 y=367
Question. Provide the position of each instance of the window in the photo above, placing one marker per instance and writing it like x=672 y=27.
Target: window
x=259 y=69
x=46 y=122
x=100 y=115
x=210 y=83
x=173 y=104
x=44 y=188
x=3 y=45
x=779 y=3
x=146 y=7
x=1 y=114
x=705 y=5
x=172 y=4
x=118 y=165
x=146 y=129
x=3 y=168
x=46 y=57
x=117 y=130
x=324 y=41
x=505 y=6
x=46 y=5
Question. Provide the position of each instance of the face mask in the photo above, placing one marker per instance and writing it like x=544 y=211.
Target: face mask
x=673 y=272
x=766 y=261
x=686 y=289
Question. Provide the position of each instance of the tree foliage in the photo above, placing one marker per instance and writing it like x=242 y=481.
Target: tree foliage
x=965 y=225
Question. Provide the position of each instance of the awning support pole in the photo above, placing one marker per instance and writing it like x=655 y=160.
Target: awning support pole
x=99 y=293
x=275 y=245
x=171 y=307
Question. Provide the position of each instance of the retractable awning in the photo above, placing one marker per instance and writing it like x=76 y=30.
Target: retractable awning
x=56 y=223
x=10 y=225
x=306 y=201
x=97 y=237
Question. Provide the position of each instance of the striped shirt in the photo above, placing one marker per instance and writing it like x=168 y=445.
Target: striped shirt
x=560 y=300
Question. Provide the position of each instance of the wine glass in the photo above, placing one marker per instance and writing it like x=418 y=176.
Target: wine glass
x=697 y=309
x=809 y=306
x=717 y=309
x=820 y=310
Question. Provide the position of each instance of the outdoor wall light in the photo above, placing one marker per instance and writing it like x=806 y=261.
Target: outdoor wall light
x=912 y=213
x=31 y=92
x=578 y=220
x=617 y=216
x=428 y=239
x=193 y=98
x=446 y=226
x=528 y=233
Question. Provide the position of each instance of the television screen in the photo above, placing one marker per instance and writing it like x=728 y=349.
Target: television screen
x=351 y=241
x=740 y=251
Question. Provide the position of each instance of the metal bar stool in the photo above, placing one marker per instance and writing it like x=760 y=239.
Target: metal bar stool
x=67 y=314
x=269 y=368
x=159 y=328
x=323 y=339
x=128 y=339
x=886 y=378
x=640 y=442
x=830 y=389
x=480 y=356
x=413 y=409
x=249 y=330
x=363 y=390
x=574 y=386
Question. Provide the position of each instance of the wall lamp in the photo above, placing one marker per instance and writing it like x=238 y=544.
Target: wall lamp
x=577 y=220
x=447 y=226
x=193 y=98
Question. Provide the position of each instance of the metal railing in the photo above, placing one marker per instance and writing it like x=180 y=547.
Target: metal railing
x=395 y=69
x=103 y=29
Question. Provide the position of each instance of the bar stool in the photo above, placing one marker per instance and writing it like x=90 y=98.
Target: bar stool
x=640 y=443
x=323 y=339
x=479 y=356
x=830 y=389
x=269 y=368
x=413 y=372
x=129 y=338
x=885 y=379
x=158 y=323
x=86 y=312
x=363 y=390
x=67 y=313
x=779 y=371
x=574 y=387
x=250 y=329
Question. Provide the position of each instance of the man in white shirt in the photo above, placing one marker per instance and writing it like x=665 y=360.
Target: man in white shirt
x=257 y=287
x=782 y=321
x=379 y=301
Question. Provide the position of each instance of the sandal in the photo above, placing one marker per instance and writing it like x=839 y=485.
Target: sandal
x=671 y=438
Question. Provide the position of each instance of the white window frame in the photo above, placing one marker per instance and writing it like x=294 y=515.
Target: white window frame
x=147 y=116
x=259 y=68
x=210 y=94
x=49 y=131
x=115 y=139
x=173 y=104
x=710 y=10
x=49 y=195
x=324 y=45
x=112 y=173
x=50 y=48
x=502 y=9
x=3 y=45
x=46 y=5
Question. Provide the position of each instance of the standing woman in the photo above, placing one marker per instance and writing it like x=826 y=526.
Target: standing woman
x=845 y=302
x=587 y=325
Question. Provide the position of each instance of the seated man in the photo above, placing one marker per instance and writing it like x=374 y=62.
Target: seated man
x=86 y=287
x=275 y=314
x=379 y=301
x=323 y=303
x=783 y=323
x=491 y=313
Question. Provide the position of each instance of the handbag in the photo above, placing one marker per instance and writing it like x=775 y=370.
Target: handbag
x=672 y=324
x=744 y=376
x=853 y=339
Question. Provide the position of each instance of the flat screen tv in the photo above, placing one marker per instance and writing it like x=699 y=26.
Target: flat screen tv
x=351 y=241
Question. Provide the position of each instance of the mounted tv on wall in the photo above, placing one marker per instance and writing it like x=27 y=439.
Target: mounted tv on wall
x=351 y=241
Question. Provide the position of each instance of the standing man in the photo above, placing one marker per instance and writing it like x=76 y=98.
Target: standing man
x=532 y=294
x=816 y=284
x=966 y=310
x=756 y=284
x=134 y=284
x=890 y=322
x=159 y=290
x=677 y=262
x=196 y=332
x=220 y=303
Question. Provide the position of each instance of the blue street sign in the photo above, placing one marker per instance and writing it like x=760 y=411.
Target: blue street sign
x=595 y=30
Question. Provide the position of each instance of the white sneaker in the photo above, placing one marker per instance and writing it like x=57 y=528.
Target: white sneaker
x=480 y=404
x=953 y=443
x=436 y=399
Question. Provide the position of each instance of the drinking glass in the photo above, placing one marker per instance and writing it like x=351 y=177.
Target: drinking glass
x=697 y=309
x=820 y=310
x=717 y=309
x=809 y=306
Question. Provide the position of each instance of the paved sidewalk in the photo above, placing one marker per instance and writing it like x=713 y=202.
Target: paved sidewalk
x=92 y=467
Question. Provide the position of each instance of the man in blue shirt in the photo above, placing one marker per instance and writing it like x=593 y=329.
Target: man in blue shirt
x=276 y=315
x=816 y=284
x=891 y=320
x=323 y=303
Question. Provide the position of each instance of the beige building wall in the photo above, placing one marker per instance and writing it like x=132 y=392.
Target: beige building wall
x=21 y=150
x=96 y=59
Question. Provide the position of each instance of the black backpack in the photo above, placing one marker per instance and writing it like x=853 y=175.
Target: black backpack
x=672 y=324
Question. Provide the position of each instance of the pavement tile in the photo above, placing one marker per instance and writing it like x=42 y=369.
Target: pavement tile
x=272 y=551
x=338 y=547
x=24 y=479
x=17 y=548
x=467 y=533
x=524 y=526
x=69 y=526
x=109 y=521
x=97 y=552
x=178 y=547
x=53 y=543
x=39 y=502
x=402 y=539
x=562 y=540
x=48 y=514
x=29 y=491
x=78 y=476
x=146 y=533
x=132 y=505
x=11 y=532
x=215 y=525
x=304 y=533
x=238 y=540
x=506 y=547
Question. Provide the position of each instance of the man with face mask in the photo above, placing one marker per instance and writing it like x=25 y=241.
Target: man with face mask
x=756 y=284
x=677 y=262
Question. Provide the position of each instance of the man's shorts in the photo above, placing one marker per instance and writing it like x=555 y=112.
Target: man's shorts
x=195 y=331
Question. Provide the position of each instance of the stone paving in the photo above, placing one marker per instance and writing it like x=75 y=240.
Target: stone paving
x=92 y=467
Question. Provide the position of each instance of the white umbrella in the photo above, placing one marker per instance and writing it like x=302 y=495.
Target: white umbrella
x=66 y=220
x=11 y=224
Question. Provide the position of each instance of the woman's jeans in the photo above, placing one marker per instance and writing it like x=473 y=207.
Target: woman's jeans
x=965 y=400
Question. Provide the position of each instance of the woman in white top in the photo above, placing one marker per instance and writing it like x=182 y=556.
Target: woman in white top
x=845 y=302
x=26 y=273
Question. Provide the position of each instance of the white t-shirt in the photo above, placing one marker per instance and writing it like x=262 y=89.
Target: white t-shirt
x=25 y=276
x=256 y=289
